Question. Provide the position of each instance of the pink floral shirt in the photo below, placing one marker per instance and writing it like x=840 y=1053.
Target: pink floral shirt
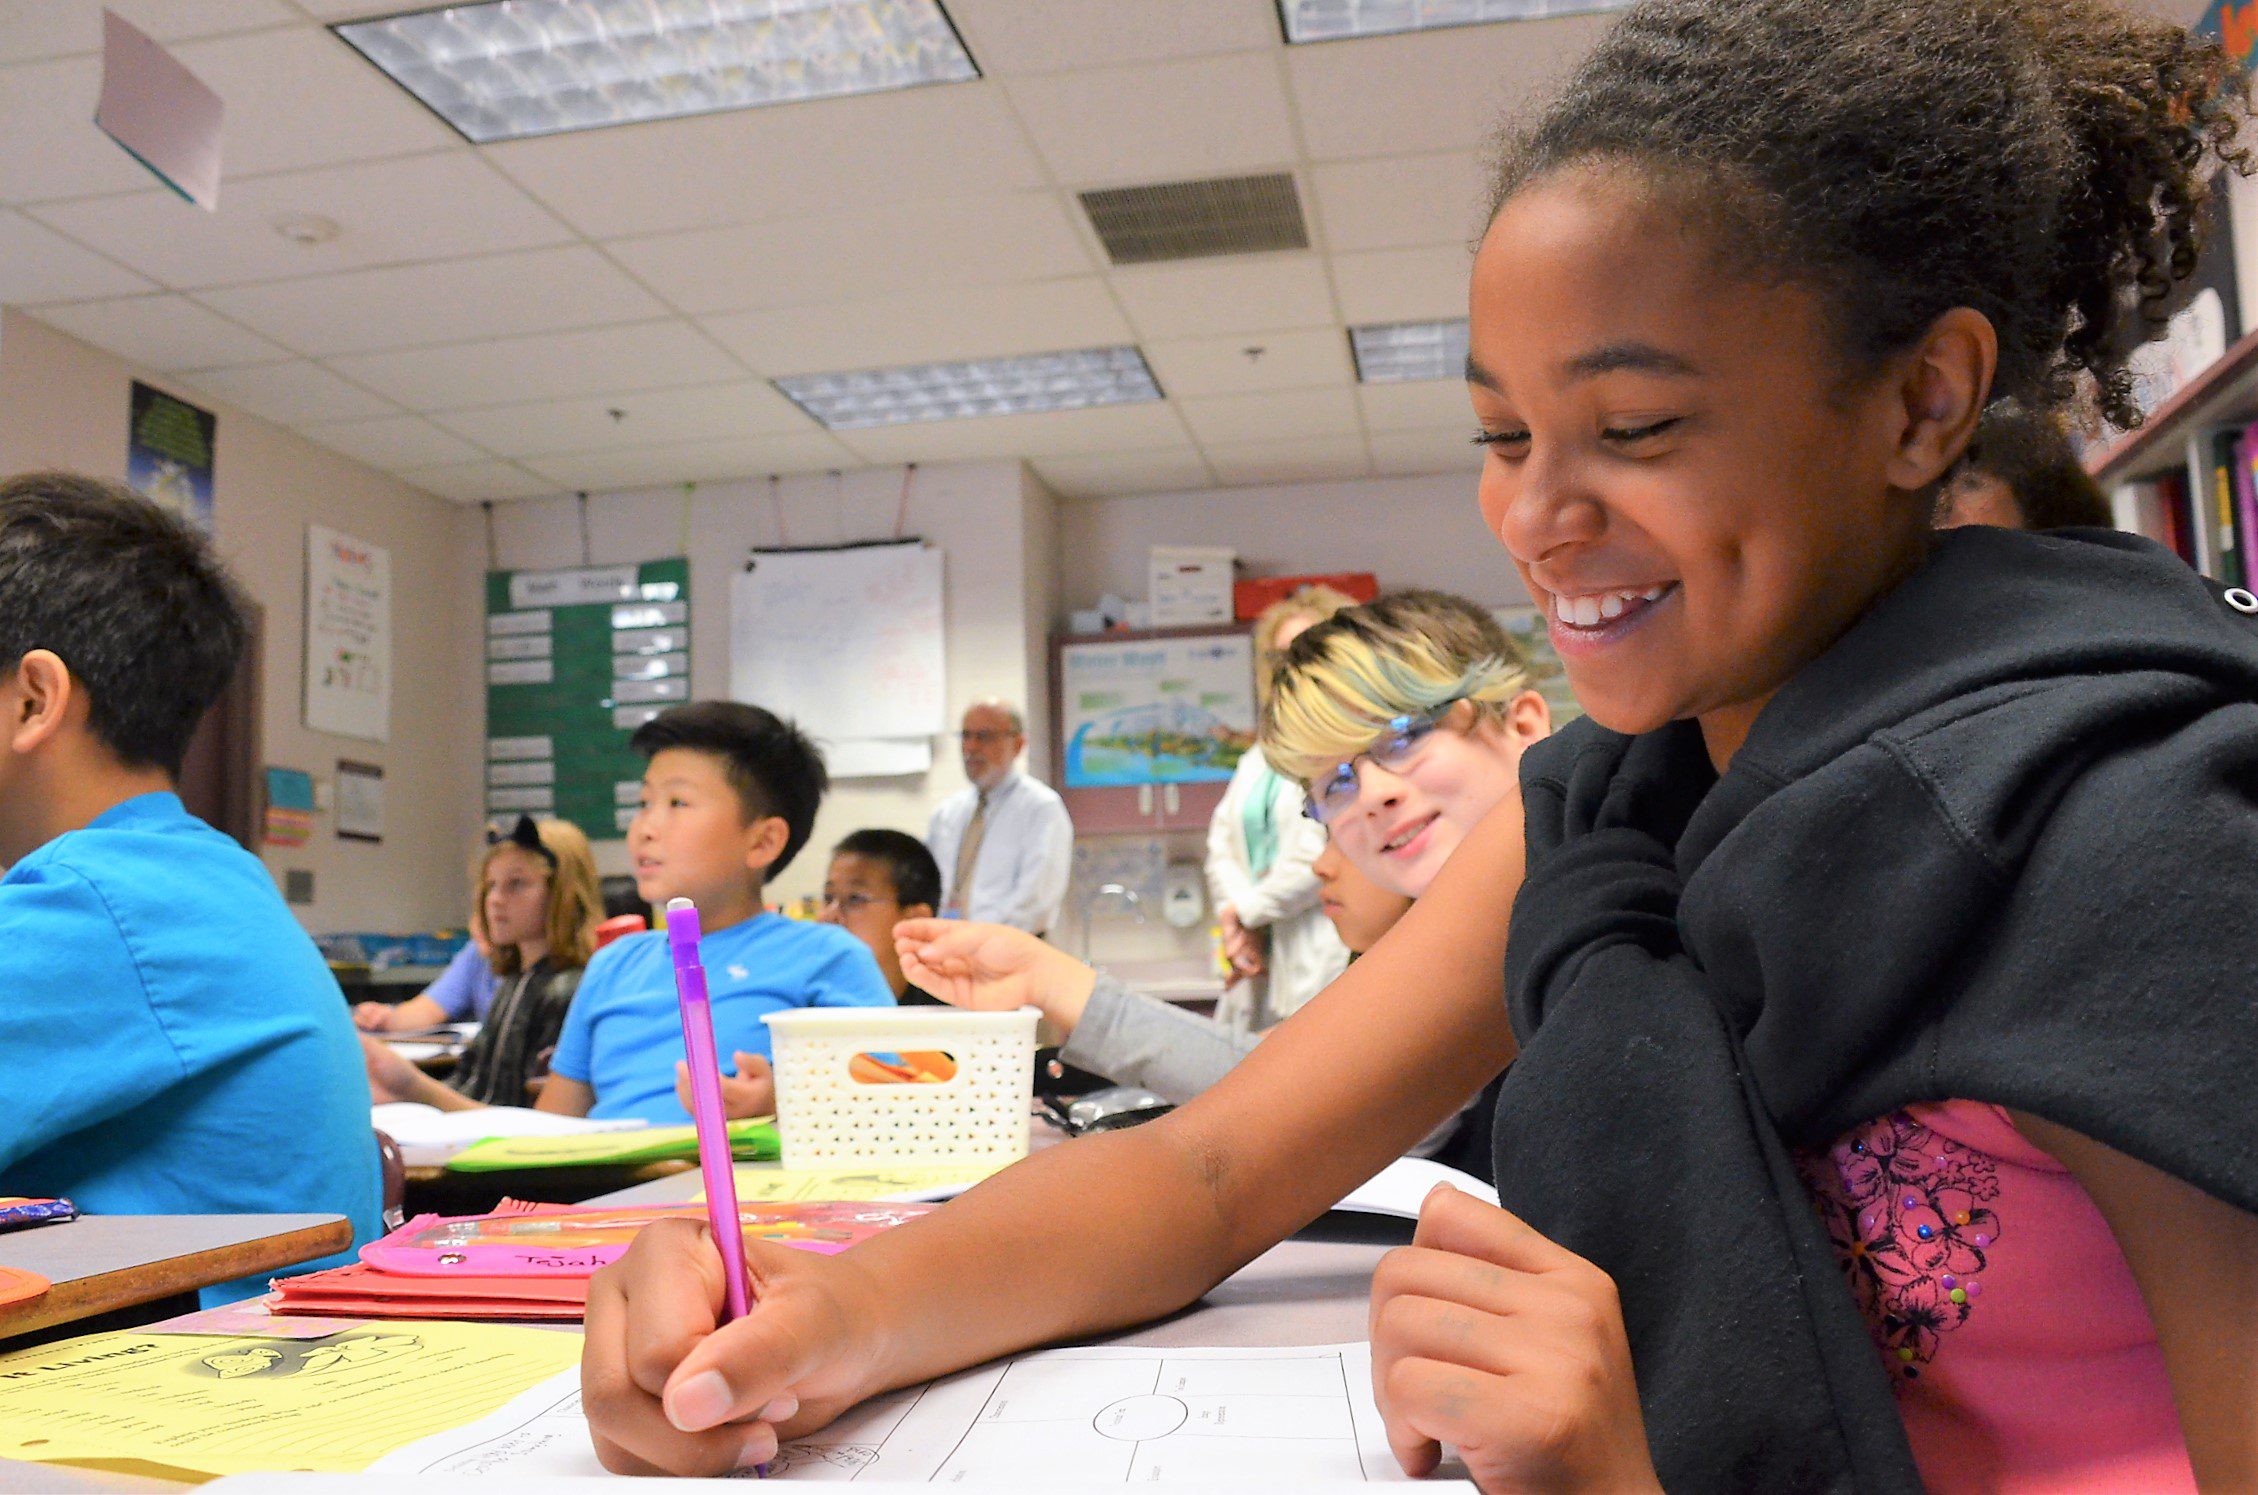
x=2023 y=1356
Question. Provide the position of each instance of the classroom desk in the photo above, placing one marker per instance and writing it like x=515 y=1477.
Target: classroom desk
x=102 y=1263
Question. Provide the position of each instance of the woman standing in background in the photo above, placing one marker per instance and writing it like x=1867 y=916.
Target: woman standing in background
x=1259 y=850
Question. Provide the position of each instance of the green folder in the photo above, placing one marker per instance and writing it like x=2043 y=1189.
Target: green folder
x=750 y=1141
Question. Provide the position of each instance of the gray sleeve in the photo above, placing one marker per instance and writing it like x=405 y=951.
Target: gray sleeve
x=1138 y=1040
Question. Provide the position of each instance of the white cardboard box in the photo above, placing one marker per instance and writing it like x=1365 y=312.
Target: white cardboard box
x=1191 y=584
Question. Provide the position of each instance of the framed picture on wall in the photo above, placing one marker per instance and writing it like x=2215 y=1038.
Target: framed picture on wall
x=360 y=801
x=1524 y=623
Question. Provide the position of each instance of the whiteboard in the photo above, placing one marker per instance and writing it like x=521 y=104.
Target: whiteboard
x=848 y=643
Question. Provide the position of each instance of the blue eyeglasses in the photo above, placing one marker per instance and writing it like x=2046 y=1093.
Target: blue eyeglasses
x=1331 y=794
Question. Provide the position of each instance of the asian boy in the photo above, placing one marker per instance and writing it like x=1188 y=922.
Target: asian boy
x=728 y=800
x=176 y=1044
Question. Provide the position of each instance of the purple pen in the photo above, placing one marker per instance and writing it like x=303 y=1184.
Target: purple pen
x=705 y=1103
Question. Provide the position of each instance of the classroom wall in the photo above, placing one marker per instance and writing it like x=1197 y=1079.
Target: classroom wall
x=65 y=404
x=991 y=523
x=1420 y=531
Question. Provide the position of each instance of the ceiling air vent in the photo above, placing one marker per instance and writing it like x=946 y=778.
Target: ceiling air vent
x=1194 y=220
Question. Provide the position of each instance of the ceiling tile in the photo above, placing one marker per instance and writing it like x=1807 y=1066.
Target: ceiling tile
x=695 y=462
x=452 y=301
x=58 y=28
x=1111 y=428
x=478 y=482
x=1317 y=414
x=1431 y=90
x=39 y=265
x=1157 y=122
x=1403 y=285
x=291 y=394
x=648 y=355
x=959 y=241
x=1329 y=459
x=1399 y=201
x=714 y=412
x=302 y=97
x=1417 y=405
x=1221 y=366
x=168 y=333
x=1247 y=293
x=333 y=11
x=1012 y=36
x=389 y=212
x=1407 y=453
x=394 y=442
x=929 y=327
x=789 y=161
x=1116 y=474
x=54 y=149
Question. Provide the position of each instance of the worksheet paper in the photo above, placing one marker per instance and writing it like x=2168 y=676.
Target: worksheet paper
x=1282 y=1418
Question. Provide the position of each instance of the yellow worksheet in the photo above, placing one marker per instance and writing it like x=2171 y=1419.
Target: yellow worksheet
x=783 y=1186
x=209 y=1405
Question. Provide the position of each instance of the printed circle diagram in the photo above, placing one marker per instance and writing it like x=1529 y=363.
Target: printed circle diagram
x=1133 y=1419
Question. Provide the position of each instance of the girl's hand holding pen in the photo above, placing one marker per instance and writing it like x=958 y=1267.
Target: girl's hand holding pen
x=668 y=1389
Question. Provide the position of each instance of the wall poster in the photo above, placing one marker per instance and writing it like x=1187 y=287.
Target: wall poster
x=1156 y=710
x=168 y=454
x=348 y=635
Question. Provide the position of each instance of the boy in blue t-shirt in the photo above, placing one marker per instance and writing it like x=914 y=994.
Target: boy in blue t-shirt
x=729 y=798
x=175 y=1043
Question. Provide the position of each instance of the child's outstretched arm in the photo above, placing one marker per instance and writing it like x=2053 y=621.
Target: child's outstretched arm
x=1110 y=1231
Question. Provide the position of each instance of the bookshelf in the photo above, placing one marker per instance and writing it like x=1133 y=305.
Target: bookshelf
x=2177 y=438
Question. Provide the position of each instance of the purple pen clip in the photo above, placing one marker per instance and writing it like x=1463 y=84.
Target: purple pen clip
x=705 y=1104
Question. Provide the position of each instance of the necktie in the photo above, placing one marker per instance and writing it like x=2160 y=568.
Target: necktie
x=968 y=855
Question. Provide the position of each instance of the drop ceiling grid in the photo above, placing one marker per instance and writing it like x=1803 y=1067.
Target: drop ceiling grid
x=966 y=182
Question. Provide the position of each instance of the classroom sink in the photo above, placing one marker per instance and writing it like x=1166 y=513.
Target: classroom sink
x=1173 y=979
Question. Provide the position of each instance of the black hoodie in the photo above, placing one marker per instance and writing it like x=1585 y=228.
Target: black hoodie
x=1999 y=843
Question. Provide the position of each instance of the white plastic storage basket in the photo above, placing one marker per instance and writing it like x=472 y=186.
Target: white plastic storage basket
x=828 y=1118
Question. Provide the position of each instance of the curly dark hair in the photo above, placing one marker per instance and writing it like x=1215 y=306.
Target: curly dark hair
x=2044 y=162
x=2029 y=451
x=130 y=597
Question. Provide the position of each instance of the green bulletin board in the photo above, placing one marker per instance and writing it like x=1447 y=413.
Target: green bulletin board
x=576 y=660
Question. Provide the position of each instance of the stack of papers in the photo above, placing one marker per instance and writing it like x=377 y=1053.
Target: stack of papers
x=429 y=1136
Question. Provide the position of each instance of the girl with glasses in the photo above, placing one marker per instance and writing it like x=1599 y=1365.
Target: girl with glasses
x=1413 y=711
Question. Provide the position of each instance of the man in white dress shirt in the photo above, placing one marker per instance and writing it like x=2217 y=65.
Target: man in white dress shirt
x=1005 y=845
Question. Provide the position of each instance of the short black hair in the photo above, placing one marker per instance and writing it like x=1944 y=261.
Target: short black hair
x=775 y=768
x=2029 y=450
x=914 y=873
x=130 y=598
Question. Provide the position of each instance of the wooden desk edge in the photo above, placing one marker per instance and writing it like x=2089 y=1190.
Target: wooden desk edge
x=157 y=1280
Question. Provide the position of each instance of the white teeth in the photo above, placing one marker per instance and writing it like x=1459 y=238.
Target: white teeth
x=1592 y=608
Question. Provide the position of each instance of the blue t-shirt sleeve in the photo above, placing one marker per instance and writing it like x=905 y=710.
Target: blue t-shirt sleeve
x=574 y=1056
x=76 y=1022
x=456 y=990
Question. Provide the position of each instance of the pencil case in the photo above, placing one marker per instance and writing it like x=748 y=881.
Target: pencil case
x=929 y=1085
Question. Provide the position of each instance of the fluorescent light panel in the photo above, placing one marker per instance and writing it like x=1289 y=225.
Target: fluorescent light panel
x=1336 y=20
x=1401 y=352
x=513 y=68
x=990 y=386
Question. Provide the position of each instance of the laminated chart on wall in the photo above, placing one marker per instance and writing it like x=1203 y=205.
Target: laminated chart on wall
x=576 y=660
x=801 y=622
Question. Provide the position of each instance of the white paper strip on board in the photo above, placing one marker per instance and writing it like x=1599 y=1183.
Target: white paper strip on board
x=529 y=646
x=539 y=621
x=650 y=614
x=641 y=692
x=501 y=749
x=536 y=771
x=573 y=588
x=521 y=672
x=521 y=799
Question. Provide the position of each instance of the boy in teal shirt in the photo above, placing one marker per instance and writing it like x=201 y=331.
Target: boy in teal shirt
x=175 y=1043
